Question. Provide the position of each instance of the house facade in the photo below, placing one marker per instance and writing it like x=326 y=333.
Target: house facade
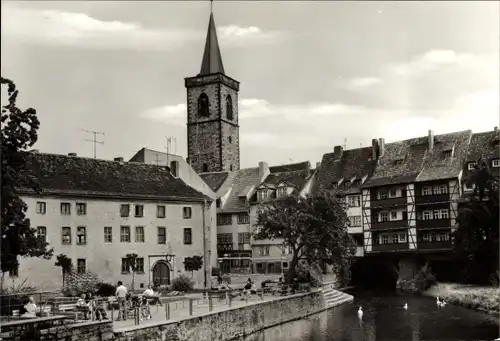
x=97 y=211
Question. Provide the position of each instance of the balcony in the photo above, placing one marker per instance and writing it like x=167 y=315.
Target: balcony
x=393 y=224
x=399 y=201
x=390 y=247
x=433 y=223
x=432 y=246
x=429 y=199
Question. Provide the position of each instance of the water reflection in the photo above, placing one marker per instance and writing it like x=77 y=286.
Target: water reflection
x=385 y=318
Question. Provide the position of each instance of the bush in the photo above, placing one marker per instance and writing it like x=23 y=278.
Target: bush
x=424 y=279
x=77 y=284
x=105 y=289
x=311 y=274
x=182 y=283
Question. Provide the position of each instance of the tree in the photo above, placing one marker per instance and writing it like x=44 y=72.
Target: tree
x=315 y=228
x=66 y=265
x=193 y=264
x=132 y=264
x=19 y=131
x=476 y=239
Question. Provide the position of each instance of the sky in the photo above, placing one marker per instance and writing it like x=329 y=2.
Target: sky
x=312 y=75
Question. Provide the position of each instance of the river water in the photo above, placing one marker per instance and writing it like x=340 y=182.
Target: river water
x=385 y=319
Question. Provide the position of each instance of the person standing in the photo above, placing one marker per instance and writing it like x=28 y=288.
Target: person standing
x=121 y=297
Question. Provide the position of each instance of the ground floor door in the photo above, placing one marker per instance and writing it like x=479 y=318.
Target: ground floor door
x=161 y=273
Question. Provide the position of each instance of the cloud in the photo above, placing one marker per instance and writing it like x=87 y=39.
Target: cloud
x=362 y=83
x=430 y=61
x=237 y=35
x=56 y=27
x=318 y=124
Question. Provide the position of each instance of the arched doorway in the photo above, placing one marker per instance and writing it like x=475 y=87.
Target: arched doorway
x=161 y=273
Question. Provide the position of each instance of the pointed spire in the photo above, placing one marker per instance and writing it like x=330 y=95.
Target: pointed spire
x=212 y=58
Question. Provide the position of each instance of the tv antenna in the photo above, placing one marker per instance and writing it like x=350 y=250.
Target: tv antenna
x=171 y=146
x=94 y=141
x=345 y=143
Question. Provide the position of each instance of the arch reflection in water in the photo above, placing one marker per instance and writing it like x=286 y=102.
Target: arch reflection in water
x=385 y=319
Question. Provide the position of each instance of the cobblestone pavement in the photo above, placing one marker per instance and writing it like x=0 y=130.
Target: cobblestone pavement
x=180 y=310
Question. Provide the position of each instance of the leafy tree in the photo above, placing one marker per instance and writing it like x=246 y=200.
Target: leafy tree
x=476 y=239
x=66 y=265
x=19 y=131
x=193 y=264
x=315 y=228
x=132 y=265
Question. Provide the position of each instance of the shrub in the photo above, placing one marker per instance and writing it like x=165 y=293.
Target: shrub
x=309 y=273
x=105 y=289
x=77 y=284
x=182 y=283
x=424 y=279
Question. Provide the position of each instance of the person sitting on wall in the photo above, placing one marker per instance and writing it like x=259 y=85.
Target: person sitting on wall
x=247 y=290
x=151 y=296
x=96 y=307
x=83 y=306
x=30 y=308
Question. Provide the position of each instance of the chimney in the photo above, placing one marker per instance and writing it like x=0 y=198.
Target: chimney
x=118 y=159
x=337 y=152
x=71 y=154
x=431 y=140
x=375 y=149
x=495 y=129
x=318 y=164
x=262 y=168
x=381 y=146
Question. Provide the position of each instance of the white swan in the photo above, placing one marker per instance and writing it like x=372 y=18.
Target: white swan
x=440 y=303
x=406 y=306
x=360 y=312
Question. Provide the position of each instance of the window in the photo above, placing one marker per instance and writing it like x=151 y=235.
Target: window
x=244 y=238
x=124 y=210
x=471 y=165
x=447 y=153
x=264 y=250
x=139 y=264
x=81 y=265
x=426 y=215
x=495 y=163
x=108 y=234
x=425 y=236
x=162 y=235
x=443 y=213
x=385 y=239
x=14 y=272
x=263 y=194
x=395 y=238
x=427 y=190
x=436 y=190
x=436 y=214
x=65 y=208
x=174 y=168
x=469 y=186
x=229 y=107
x=139 y=211
x=224 y=238
x=353 y=201
x=124 y=234
x=384 y=216
x=347 y=184
x=402 y=238
x=125 y=267
x=224 y=219
x=217 y=203
x=382 y=195
x=392 y=193
x=41 y=232
x=355 y=220
x=286 y=250
x=203 y=105
x=186 y=212
x=243 y=218
x=443 y=236
x=66 y=235
x=443 y=189
x=394 y=215
x=433 y=237
x=188 y=236
x=81 y=235
x=334 y=185
x=41 y=207
x=281 y=192
x=81 y=208
x=205 y=168
x=139 y=234
x=160 y=211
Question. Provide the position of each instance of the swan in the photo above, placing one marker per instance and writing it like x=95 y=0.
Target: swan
x=360 y=312
x=406 y=306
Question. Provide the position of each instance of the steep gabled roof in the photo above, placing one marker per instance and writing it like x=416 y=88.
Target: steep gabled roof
x=485 y=145
x=353 y=164
x=79 y=176
x=214 y=179
x=437 y=166
x=243 y=179
x=306 y=165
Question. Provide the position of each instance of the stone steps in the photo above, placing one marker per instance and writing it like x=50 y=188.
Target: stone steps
x=333 y=298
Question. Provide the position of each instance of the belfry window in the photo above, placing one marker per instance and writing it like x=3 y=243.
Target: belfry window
x=203 y=109
x=229 y=107
x=205 y=168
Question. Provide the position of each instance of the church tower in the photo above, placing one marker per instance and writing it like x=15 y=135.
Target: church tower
x=212 y=112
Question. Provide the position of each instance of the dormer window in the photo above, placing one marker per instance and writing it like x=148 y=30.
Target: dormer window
x=347 y=184
x=280 y=192
x=448 y=153
x=495 y=163
x=334 y=185
x=357 y=183
x=471 y=165
x=263 y=194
